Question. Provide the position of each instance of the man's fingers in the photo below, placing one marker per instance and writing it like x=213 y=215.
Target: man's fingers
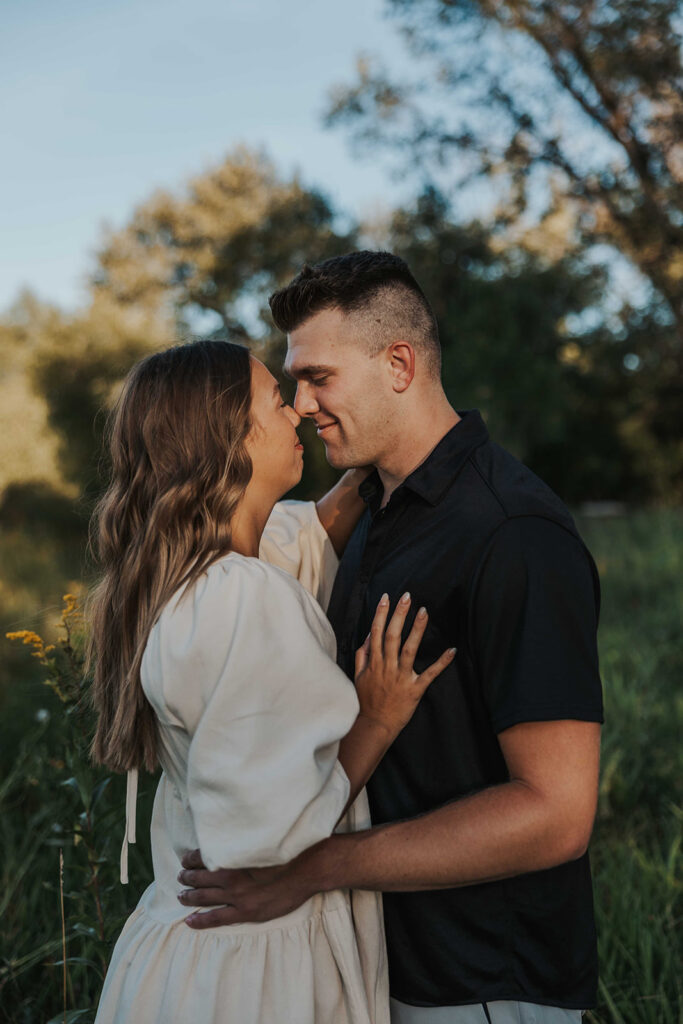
x=200 y=878
x=202 y=897
x=377 y=628
x=392 y=637
x=213 y=918
x=413 y=640
x=430 y=674
x=192 y=859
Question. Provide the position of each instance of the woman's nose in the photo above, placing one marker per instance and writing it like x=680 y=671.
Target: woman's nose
x=293 y=415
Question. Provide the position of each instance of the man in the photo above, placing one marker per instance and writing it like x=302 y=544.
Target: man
x=484 y=805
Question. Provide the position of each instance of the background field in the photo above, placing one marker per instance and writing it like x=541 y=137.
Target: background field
x=51 y=799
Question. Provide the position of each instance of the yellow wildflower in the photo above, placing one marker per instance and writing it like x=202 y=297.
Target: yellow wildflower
x=27 y=636
x=31 y=639
x=70 y=605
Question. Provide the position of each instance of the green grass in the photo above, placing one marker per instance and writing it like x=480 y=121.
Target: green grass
x=51 y=799
x=636 y=845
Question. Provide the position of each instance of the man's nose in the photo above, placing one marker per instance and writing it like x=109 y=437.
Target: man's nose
x=304 y=401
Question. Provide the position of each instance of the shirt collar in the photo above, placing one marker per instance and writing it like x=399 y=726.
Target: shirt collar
x=434 y=476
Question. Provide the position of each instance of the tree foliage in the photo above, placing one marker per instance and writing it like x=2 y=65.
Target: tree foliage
x=559 y=397
x=207 y=258
x=511 y=312
x=591 y=90
x=560 y=116
x=238 y=231
x=28 y=446
x=202 y=261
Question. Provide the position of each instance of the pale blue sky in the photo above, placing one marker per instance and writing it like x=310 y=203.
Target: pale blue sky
x=102 y=103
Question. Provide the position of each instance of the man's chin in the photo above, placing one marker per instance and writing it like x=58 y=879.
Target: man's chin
x=338 y=459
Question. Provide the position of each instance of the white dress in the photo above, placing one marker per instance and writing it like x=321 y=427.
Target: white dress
x=251 y=706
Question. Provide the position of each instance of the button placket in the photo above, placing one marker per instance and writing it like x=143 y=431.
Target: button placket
x=381 y=527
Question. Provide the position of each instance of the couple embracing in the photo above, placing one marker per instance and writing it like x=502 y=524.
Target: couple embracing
x=441 y=577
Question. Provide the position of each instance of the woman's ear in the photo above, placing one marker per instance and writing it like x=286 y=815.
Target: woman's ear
x=401 y=356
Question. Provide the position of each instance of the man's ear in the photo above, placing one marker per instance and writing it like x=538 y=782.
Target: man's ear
x=401 y=355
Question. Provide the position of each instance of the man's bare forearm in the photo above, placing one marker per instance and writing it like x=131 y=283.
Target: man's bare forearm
x=340 y=509
x=541 y=818
x=497 y=833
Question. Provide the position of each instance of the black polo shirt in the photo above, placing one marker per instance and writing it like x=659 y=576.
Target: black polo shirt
x=495 y=557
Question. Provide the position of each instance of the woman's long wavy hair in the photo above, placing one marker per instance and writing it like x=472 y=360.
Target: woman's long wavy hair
x=179 y=468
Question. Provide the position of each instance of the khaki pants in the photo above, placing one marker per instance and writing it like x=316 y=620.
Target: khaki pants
x=500 y=1012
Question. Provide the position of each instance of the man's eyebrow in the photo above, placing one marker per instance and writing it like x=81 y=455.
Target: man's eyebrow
x=312 y=370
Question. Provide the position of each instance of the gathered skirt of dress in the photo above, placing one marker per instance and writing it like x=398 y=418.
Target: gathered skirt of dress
x=303 y=969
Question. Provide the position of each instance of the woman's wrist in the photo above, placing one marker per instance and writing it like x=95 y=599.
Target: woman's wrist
x=340 y=509
x=385 y=731
x=361 y=750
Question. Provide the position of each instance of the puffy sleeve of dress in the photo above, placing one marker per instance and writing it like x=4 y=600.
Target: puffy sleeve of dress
x=295 y=540
x=244 y=665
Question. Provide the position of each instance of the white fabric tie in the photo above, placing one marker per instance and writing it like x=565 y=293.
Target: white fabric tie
x=129 y=836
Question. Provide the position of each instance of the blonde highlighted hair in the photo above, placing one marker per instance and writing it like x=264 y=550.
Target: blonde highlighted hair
x=179 y=468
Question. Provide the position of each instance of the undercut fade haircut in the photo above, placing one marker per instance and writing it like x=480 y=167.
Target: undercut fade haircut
x=377 y=289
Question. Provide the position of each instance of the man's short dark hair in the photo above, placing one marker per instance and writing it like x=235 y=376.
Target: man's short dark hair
x=378 y=287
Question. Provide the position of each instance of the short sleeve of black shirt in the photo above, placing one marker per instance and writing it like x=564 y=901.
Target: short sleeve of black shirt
x=533 y=625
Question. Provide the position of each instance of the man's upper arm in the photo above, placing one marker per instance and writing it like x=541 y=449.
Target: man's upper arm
x=560 y=761
x=534 y=617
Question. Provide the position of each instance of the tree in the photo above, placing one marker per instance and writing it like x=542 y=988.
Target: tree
x=79 y=363
x=208 y=259
x=565 y=112
x=28 y=448
x=554 y=396
x=590 y=90
x=238 y=232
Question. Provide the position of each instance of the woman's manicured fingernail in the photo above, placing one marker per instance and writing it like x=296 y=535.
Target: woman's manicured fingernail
x=452 y=650
x=384 y=599
x=406 y=597
x=422 y=612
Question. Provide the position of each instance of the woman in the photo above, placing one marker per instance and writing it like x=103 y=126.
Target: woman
x=220 y=667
